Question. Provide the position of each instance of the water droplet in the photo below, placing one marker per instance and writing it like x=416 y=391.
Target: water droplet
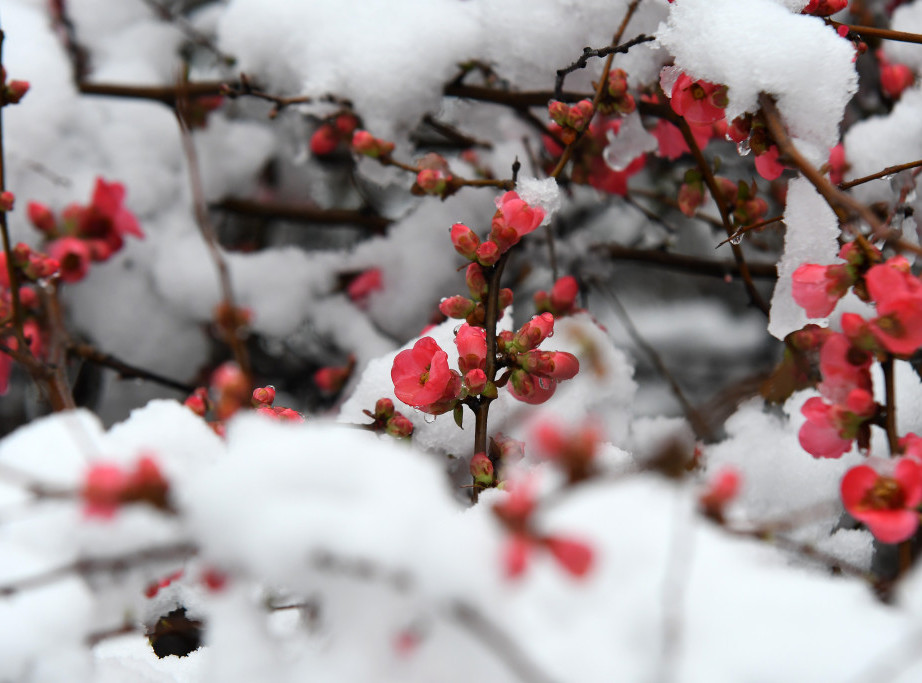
x=743 y=148
x=457 y=329
x=736 y=239
x=544 y=383
x=429 y=418
x=551 y=333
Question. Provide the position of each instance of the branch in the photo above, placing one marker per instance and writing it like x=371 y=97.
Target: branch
x=304 y=214
x=886 y=34
x=690 y=264
x=890 y=170
x=588 y=52
x=93 y=355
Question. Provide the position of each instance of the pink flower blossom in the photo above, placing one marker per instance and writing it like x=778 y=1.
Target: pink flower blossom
x=363 y=285
x=767 y=164
x=824 y=8
x=106 y=217
x=837 y=164
x=843 y=368
x=898 y=295
x=830 y=429
x=698 y=101
x=817 y=289
x=421 y=374
x=885 y=504
x=518 y=215
x=472 y=348
x=464 y=240
x=73 y=255
x=723 y=487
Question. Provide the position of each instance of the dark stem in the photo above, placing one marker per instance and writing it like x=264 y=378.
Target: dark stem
x=886 y=34
x=890 y=170
x=890 y=407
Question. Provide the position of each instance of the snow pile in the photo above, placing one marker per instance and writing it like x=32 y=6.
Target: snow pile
x=805 y=66
x=811 y=236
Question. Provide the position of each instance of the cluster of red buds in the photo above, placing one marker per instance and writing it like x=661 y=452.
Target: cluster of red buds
x=434 y=177
x=230 y=393
x=472 y=309
x=389 y=421
x=740 y=199
x=615 y=97
x=514 y=219
x=107 y=487
x=333 y=133
x=572 y=119
x=86 y=233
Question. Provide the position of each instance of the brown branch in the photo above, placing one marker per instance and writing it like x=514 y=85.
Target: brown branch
x=233 y=332
x=752 y=226
x=884 y=33
x=754 y=296
x=890 y=170
x=690 y=264
x=698 y=424
x=96 y=565
x=167 y=94
x=609 y=51
x=125 y=371
x=304 y=214
x=192 y=33
x=453 y=135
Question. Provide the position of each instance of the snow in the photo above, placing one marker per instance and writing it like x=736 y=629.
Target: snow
x=716 y=40
x=337 y=542
x=810 y=236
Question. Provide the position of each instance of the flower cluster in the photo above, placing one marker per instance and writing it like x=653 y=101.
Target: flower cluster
x=514 y=219
x=108 y=487
x=230 y=393
x=30 y=269
x=615 y=97
x=389 y=421
x=571 y=119
x=84 y=234
x=739 y=198
x=515 y=513
x=333 y=133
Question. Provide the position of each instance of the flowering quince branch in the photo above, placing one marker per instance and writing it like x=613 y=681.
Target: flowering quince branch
x=890 y=170
x=886 y=34
x=589 y=52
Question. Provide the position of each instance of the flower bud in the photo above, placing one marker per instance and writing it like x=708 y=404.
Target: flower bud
x=432 y=181
x=535 y=331
x=7 y=199
x=488 y=253
x=563 y=295
x=384 y=409
x=464 y=240
x=476 y=282
x=505 y=298
x=475 y=381
x=482 y=470
x=558 y=365
x=264 y=395
x=399 y=427
x=41 y=217
x=457 y=306
x=324 y=140
x=15 y=91
x=365 y=143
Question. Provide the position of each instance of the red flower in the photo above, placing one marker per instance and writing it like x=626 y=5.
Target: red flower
x=898 y=295
x=364 y=284
x=885 y=504
x=817 y=289
x=104 y=490
x=324 y=140
x=106 y=217
x=823 y=8
x=843 y=368
x=830 y=429
x=518 y=215
x=421 y=375
x=767 y=164
x=698 y=101
x=73 y=255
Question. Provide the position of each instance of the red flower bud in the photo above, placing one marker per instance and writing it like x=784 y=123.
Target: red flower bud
x=324 y=140
x=7 y=199
x=457 y=307
x=464 y=240
x=399 y=427
x=482 y=470
x=264 y=395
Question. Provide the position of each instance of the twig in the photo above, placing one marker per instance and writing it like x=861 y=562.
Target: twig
x=93 y=355
x=167 y=94
x=890 y=170
x=698 y=424
x=890 y=407
x=886 y=34
x=194 y=35
x=589 y=52
x=304 y=214
x=203 y=221
x=453 y=135
x=752 y=226
x=96 y=565
x=690 y=264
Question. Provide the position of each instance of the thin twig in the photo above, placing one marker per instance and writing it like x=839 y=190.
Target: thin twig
x=890 y=170
x=304 y=214
x=192 y=33
x=690 y=264
x=698 y=424
x=202 y=219
x=890 y=407
x=886 y=34
x=611 y=50
x=126 y=371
